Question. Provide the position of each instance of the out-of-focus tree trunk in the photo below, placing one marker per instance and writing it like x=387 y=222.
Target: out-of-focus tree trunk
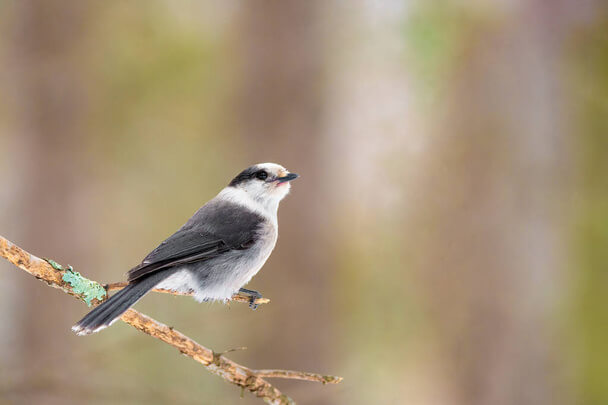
x=280 y=106
x=493 y=217
x=48 y=161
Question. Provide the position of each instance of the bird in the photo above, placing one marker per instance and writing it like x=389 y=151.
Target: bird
x=215 y=253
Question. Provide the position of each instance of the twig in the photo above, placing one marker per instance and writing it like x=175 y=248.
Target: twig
x=298 y=375
x=217 y=364
x=236 y=297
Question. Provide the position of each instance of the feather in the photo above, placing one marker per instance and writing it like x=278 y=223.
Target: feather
x=216 y=228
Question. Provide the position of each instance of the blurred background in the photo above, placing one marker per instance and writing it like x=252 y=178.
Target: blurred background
x=447 y=242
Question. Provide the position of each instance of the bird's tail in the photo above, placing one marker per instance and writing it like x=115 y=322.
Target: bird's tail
x=106 y=313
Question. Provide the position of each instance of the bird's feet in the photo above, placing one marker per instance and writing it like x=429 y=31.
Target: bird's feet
x=253 y=296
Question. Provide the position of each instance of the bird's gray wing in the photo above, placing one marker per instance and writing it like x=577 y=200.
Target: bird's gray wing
x=216 y=228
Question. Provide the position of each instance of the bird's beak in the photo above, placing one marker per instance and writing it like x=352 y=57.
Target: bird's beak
x=289 y=177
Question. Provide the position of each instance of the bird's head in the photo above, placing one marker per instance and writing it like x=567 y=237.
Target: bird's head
x=267 y=183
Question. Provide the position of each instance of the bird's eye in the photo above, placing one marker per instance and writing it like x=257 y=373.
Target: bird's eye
x=262 y=175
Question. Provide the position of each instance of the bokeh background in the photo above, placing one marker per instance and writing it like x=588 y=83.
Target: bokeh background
x=447 y=242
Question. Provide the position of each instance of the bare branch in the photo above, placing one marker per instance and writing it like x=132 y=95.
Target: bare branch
x=251 y=380
x=236 y=297
x=298 y=375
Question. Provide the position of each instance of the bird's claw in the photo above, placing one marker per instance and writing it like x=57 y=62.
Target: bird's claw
x=253 y=297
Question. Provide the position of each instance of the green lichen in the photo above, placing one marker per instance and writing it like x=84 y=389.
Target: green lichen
x=87 y=289
x=54 y=264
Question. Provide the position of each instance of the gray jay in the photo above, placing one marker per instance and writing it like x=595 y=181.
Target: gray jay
x=215 y=253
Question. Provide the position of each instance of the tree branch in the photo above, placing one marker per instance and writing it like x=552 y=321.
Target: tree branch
x=238 y=297
x=298 y=375
x=74 y=284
